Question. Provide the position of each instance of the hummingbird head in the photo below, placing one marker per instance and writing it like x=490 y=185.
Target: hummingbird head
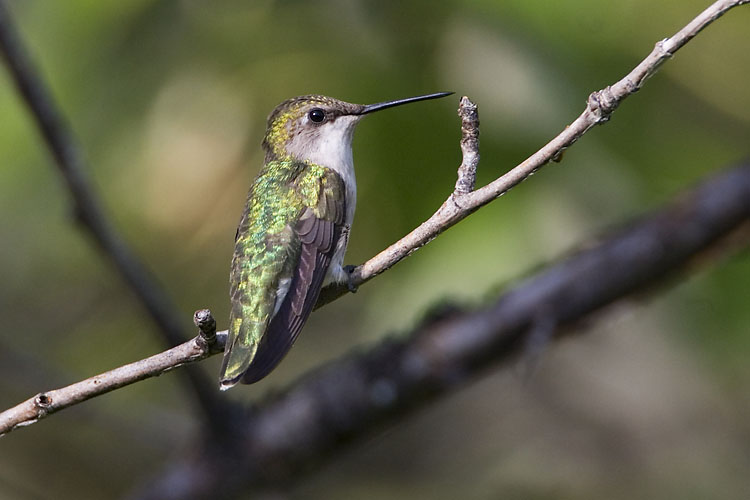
x=319 y=129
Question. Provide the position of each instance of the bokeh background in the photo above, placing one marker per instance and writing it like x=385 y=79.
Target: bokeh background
x=168 y=99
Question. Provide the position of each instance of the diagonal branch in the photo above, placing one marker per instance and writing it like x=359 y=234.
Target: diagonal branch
x=464 y=200
x=32 y=410
x=88 y=209
x=344 y=402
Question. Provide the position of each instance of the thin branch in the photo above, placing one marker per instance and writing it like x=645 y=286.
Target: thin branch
x=467 y=172
x=464 y=201
x=208 y=342
x=347 y=400
x=88 y=209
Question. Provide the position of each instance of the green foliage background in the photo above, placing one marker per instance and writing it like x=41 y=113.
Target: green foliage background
x=169 y=99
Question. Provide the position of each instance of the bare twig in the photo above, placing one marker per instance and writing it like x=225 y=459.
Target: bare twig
x=463 y=201
x=467 y=172
x=45 y=403
x=88 y=208
x=206 y=324
x=347 y=400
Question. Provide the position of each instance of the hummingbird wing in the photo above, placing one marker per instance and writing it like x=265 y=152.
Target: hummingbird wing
x=318 y=238
x=275 y=284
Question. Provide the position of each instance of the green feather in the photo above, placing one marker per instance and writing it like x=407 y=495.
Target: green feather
x=267 y=251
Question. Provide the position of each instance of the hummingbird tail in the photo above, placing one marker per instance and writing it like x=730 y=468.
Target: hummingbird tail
x=238 y=353
x=228 y=384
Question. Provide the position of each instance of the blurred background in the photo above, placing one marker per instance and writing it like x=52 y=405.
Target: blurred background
x=169 y=99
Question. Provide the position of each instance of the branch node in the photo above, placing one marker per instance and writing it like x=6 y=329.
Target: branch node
x=206 y=324
x=461 y=202
x=602 y=103
x=467 y=172
x=661 y=50
x=43 y=402
x=630 y=86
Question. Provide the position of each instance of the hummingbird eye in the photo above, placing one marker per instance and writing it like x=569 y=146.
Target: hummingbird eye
x=317 y=115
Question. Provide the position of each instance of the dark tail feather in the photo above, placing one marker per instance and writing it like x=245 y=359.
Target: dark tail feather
x=238 y=353
x=286 y=325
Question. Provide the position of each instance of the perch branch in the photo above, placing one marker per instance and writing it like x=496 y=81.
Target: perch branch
x=88 y=209
x=464 y=200
x=32 y=410
x=355 y=395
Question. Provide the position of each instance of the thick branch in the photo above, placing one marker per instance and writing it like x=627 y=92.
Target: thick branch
x=88 y=209
x=464 y=201
x=348 y=399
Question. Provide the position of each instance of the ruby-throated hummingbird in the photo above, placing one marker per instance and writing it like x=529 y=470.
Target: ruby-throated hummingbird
x=293 y=233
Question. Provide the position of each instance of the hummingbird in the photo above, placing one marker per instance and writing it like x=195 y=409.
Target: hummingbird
x=294 y=231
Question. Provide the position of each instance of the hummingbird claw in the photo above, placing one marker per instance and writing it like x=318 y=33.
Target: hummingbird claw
x=350 y=278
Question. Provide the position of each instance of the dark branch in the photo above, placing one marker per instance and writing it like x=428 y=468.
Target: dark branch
x=351 y=397
x=88 y=209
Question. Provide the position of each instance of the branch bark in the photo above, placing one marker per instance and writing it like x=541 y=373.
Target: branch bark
x=89 y=210
x=32 y=410
x=345 y=401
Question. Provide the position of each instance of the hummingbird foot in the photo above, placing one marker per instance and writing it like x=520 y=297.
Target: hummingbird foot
x=349 y=270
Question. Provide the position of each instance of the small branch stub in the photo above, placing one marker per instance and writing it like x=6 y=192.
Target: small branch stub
x=603 y=103
x=43 y=403
x=206 y=324
x=208 y=338
x=467 y=172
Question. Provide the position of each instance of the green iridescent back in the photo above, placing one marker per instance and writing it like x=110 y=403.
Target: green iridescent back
x=267 y=249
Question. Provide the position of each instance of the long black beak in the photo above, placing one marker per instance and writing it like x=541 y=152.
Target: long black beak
x=389 y=104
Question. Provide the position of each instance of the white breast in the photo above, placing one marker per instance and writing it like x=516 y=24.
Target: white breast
x=330 y=145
